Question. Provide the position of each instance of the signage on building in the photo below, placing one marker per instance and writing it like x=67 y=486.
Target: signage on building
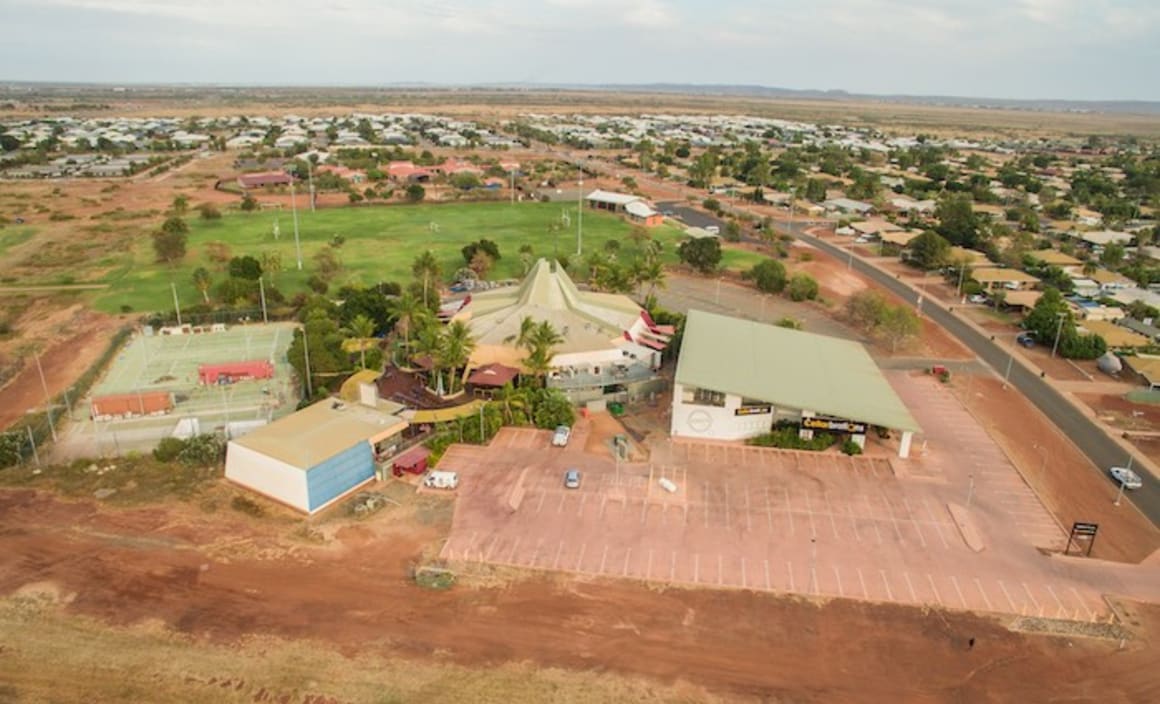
x=752 y=410
x=833 y=425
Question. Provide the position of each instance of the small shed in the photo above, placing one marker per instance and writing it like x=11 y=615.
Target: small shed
x=413 y=461
x=139 y=404
x=230 y=372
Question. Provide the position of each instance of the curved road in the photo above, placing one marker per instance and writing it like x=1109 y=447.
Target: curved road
x=1090 y=438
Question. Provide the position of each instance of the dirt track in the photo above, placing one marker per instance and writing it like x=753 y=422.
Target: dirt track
x=353 y=595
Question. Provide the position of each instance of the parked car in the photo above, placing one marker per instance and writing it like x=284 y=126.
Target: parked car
x=1026 y=339
x=572 y=479
x=441 y=480
x=978 y=298
x=1127 y=477
x=563 y=434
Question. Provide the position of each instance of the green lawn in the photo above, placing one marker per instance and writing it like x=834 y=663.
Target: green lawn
x=11 y=236
x=381 y=243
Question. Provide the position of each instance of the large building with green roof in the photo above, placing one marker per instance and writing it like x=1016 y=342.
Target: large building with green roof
x=735 y=378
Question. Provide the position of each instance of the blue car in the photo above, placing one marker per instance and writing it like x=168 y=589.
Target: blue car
x=1026 y=339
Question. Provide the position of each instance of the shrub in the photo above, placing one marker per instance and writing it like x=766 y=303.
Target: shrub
x=247 y=506
x=168 y=449
x=768 y=276
x=851 y=448
x=802 y=287
x=317 y=284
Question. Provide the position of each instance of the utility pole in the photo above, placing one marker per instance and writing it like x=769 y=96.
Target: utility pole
x=1058 y=330
x=310 y=177
x=513 y=187
x=47 y=398
x=580 y=213
x=294 y=207
x=176 y=305
x=1120 y=493
x=262 y=292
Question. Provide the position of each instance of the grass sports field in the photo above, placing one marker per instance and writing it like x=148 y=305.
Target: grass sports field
x=380 y=245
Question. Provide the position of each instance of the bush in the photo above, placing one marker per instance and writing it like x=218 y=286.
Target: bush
x=851 y=448
x=317 y=284
x=247 y=506
x=802 y=287
x=785 y=436
x=768 y=276
x=168 y=449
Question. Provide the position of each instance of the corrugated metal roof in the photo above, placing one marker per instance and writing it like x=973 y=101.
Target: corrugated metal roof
x=609 y=197
x=321 y=431
x=790 y=368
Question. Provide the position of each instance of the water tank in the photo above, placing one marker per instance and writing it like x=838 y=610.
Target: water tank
x=1110 y=364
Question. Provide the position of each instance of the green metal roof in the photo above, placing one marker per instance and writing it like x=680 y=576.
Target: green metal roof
x=789 y=368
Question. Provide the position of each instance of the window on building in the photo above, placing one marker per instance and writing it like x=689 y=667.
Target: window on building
x=705 y=397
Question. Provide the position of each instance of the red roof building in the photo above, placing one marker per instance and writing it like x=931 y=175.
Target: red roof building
x=140 y=404
x=230 y=372
x=265 y=179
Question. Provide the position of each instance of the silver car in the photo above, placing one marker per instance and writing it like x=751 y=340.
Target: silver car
x=563 y=433
x=1127 y=477
x=572 y=479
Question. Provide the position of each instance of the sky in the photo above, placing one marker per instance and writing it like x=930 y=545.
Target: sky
x=1026 y=49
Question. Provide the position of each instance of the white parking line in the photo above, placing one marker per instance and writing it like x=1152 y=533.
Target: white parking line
x=728 y=524
x=955 y=582
x=748 y=522
x=917 y=528
x=720 y=569
x=830 y=509
x=789 y=569
x=862 y=581
x=872 y=517
x=979 y=586
x=767 y=582
x=886 y=583
x=580 y=508
x=604 y=558
x=487 y=553
x=627 y=556
x=540 y=505
x=673 y=567
x=810 y=513
x=893 y=520
x=1009 y=600
x=934 y=589
x=1061 y=610
x=768 y=511
x=935 y=521
x=696 y=567
x=512 y=554
x=744 y=580
x=838 y=574
x=910 y=586
x=788 y=510
x=705 y=493
x=1091 y=614
x=1034 y=601
x=853 y=523
x=580 y=557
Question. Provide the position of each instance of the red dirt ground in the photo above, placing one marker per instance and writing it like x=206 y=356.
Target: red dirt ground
x=357 y=598
x=1059 y=473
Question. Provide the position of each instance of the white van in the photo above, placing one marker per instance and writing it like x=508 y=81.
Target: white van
x=441 y=480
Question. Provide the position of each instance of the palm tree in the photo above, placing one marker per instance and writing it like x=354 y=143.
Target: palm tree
x=201 y=279
x=409 y=313
x=653 y=274
x=427 y=344
x=426 y=267
x=455 y=349
x=1090 y=267
x=523 y=339
x=526 y=256
x=543 y=340
x=361 y=335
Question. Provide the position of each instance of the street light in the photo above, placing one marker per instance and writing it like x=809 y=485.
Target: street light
x=1120 y=493
x=1062 y=315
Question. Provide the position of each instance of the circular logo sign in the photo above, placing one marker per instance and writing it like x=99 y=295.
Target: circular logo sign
x=700 y=421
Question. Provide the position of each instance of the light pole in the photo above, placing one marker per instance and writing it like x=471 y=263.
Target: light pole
x=294 y=208
x=1120 y=493
x=580 y=210
x=962 y=271
x=1062 y=315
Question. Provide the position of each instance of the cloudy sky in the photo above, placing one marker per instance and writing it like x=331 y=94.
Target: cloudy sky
x=1076 y=49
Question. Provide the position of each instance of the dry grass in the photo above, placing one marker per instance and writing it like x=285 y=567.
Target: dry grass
x=48 y=655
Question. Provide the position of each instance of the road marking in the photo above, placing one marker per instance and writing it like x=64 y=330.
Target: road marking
x=627 y=555
x=556 y=562
x=1009 y=600
x=872 y=517
x=644 y=513
x=580 y=509
x=604 y=558
x=512 y=554
x=767 y=582
x=830 y=509
x=789 y=569
x=814 y=586
x=935 y=589
x=727 y=522
x=913 y=595
x=705 y=493
x=673 y=567
x=955 y=582
x=540 y=506
x=853 y=523
x=536 y=552
x=563 y=498
x=788 y=510
x=696 y=567
x=886 y=583
x=580 y=557
x=979 y=585
x=1091 y=614
x=893 y=520
x=917 y=528
x=720 y=569
x=748 y=520
x=810 y=513
x=1060 y=610
x=937 y=525
x=490 y=548
x=744 y=579
x=862 y=581
x=1034 y=601
x=768 y=511
x=838 y=574
x=603 y=501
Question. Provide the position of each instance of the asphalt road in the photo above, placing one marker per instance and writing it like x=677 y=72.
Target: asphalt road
x=1090 y=438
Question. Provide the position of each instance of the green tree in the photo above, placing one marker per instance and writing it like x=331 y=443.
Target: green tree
x=209 y=211
x=815 y=190
x=416 y=193
x=957 y=221
x=703 y=254
x=409 y=313
x=802 y=287
x=170 y=240
x=541 y=349
x=1113 y=255
x=245 y=267
x=1044 y=319
x=426 y=268
x=526 y=257
x=327 y=263
x=360 y=333
x=929 y=250
x=768 y=276
x=898 y=324
x=180 y=204
x=202 y=280
x=272 y=263
x=455 y=350
x=249 y=205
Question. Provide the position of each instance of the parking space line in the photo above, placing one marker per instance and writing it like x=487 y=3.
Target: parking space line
x=1091 y=614
x=810 y=513
x=487 y=553
x=893 y=520
x=789 y=569
x=910 y=586
x=838 y=574
x=720 y=569
x=937 y=526
x=627 y=556
x=830 y=509
x=556 y=562
x=648 y=569
x=917 y=528
x=603 y=558
x=696 y=567
x=934 y=589
x=767 y=583
x=705 y=494
x=789 y=510
x=748 y=521
x=744 y=579
x=1058 y=602
x=580 y=509
x=853 y=523
x=728 y=524
x=768 y=511
x=815 y=588
x=540 y=506
x=563 y=498
x=536 y=552
x=862 y=581
x=979 y=586
x=872 y=517
x=1009 y=599
x=512 y=555
x=1034 y=601
x=886 y=583
x=962 y=599
x=603 y=501
x=673 y=567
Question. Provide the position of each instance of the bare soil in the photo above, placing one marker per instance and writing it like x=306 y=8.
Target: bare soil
x=222 y=581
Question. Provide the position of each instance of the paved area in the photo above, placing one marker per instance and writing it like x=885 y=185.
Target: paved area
x=871 y=527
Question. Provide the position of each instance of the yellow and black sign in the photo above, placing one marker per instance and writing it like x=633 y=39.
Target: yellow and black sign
x=753 y=410
x=833 y=425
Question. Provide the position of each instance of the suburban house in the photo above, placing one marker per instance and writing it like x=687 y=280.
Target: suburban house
x=265 y=179
x=1054 y=257
x=1117 y=337
x=849 y=206
x=993 y=279
x=351 y=175
x=1102 y=238
x=636 y=208
x=407 y=171
x=1110 y=280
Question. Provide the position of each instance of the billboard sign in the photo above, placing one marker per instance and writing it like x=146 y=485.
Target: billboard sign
x=833 y=425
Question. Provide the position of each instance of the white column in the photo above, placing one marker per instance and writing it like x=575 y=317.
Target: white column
x=904 y=446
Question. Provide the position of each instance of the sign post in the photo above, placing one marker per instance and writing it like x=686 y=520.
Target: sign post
x=1082 y=532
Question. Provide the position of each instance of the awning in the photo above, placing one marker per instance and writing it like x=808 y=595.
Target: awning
x=650 y=343
x=442 y=415
x=412 y=457
x=492 y=375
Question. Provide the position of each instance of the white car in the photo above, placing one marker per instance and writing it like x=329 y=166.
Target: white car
x=978 y=298
x=1127 y=477
x=560 y=439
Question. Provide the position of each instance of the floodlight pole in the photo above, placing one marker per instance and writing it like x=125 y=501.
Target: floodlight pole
x=1058 y=330
x=47 y=398
x=176 y=305
x=262 y=291
x=310 y=177
x=513 y=188
x=580 y=212
x=294 y=207
x=32 y=439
